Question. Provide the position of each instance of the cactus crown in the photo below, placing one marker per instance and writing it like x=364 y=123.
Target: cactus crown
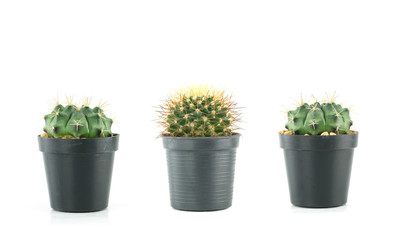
x=319 y=118
x=71 y=121
x=199 y=111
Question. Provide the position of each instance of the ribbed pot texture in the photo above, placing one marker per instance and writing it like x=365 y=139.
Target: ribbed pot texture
x=79 y=172
x=318 y=168
x=201 y=171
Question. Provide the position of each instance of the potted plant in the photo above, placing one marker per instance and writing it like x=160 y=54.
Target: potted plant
x=78 y=149
x=318 y=148
x=200 y=142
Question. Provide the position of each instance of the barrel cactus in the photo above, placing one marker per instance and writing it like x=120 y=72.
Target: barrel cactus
x=70 y=121
x=327 y=118
x=199 y=111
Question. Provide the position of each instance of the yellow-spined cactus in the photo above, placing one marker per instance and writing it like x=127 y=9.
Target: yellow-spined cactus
x=199 y=111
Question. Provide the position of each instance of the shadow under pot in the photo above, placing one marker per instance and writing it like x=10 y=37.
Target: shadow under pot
x=318 y=168
x=201 y=171
x=79 y=172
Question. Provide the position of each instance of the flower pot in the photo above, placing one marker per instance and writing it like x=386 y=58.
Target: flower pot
x=79 y=172
x=318 y=168
x=201 y=171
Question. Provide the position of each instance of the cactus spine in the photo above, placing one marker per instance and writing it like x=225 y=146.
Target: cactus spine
x=318 y=118
x=71 y=121
x=199 y=111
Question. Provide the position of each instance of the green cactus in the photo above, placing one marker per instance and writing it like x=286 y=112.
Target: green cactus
x=199 y=112
x=317 y=118
x=77 y=122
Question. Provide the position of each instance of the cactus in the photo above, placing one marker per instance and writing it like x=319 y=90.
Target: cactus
x=319 y=119
x=199 y=111
x=71 y=121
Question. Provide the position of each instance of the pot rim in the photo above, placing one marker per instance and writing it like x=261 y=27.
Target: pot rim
x=114 y=135
x=78 y=146
x=201 y=143
x=230 y=136
x=356 y=133
x=318 y=142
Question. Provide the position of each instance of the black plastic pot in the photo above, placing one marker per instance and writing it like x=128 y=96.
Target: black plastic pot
x=318 y=168
x=201 y=171
x=79 y=172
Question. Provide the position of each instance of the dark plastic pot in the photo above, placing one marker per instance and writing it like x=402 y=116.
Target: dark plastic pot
x=79 y=172
x=318 y=168
x=201 y=171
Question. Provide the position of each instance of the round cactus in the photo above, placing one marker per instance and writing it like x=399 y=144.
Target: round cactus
x=199 y=111
x=71 y=121
x=319 y=118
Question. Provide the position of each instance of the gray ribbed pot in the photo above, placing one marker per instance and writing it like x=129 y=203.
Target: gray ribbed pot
x=201 y=171
x=318 y=168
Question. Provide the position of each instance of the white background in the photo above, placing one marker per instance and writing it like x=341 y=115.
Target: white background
x=133 y=53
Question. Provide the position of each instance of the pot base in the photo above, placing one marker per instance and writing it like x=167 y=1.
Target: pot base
x=196 y=210
x=78 y=211
x=318 y=207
